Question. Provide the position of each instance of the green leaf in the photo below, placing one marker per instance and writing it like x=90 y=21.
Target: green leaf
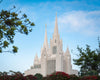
x=14 y=14
x=19 y=22
x=25 y=30
x=5 y=44
x=0 y=50
x=25 y=16
x=22 y=26
x=30 y=30
x=27 y=19
x=15 y=49
x=32 y=24
x=1 y=34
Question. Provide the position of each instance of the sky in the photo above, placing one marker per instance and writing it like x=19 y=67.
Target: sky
x=78 y=24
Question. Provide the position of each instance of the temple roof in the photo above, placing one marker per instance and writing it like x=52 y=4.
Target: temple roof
x=45 y=39
x=56 y=27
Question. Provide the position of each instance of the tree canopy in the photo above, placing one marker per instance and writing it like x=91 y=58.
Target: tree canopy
x=12 y=22
x=88 y=60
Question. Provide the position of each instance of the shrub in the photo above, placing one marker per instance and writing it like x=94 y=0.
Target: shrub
x=12 y=77
x=30 y=77
x=90 y=78
x=17 y=77
x=74 y=77
x=38 y=76
x=58 y=76
x=98 y=77
x=44 y=78
x=92 y=72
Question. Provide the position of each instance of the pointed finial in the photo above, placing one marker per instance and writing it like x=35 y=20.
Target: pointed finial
x=56 y=27
x=45 y=26
x=45 y=38
x=36 y=56
x=67 y=48
x=56 y=13
x=67 y=51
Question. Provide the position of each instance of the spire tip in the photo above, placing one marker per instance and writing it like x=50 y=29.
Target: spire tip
x=56 y=13
x=45 y=25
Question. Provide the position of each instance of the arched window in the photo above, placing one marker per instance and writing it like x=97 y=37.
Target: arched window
x=54 y=50
x=55 y=40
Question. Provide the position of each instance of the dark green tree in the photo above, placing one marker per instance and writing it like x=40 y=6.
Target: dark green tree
x=98 y=51
x=12 y=22
x=38 y=76
x=88 y=60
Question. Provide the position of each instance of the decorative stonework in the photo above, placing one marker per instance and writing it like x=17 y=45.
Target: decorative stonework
x=51 y=66
x=52 y=57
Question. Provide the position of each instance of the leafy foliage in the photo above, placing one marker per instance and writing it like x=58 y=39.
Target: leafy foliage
x=15 y=76
x=30 y=77
x=11 y=75
x=90 y=78
x=58 y=76
x=38 y=76
x=98 y=51
x=88 y=60
x=11 y=23
x=74 y=77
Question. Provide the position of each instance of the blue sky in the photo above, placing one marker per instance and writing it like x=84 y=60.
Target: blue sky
x=78 y=23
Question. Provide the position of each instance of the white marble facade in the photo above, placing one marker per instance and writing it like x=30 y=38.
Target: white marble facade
x=52 y=57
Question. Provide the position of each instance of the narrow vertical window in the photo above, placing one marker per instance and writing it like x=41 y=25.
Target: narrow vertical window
x=54 y=49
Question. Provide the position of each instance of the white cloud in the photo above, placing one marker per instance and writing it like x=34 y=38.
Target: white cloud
x=84 y=22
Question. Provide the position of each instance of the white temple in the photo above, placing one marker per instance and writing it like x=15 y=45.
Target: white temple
x=53 y=58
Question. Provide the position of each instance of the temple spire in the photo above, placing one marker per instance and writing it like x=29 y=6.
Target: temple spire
x=56 y=26
x=45 y=39
x=36 y=57
x=67 y=51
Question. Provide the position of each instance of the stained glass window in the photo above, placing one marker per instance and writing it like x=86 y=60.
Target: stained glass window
x=54 y=49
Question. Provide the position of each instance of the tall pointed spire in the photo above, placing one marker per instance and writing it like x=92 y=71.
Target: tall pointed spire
x=45 y=39
x=67 y=51
x=36 y=57
x=56 y=26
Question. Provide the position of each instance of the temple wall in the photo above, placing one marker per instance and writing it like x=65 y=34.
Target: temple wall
x=51 y=66
x=33 y=71
x=75 y=72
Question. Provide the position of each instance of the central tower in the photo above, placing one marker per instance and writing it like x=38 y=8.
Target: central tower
x=52 y=56
x=56 y=48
